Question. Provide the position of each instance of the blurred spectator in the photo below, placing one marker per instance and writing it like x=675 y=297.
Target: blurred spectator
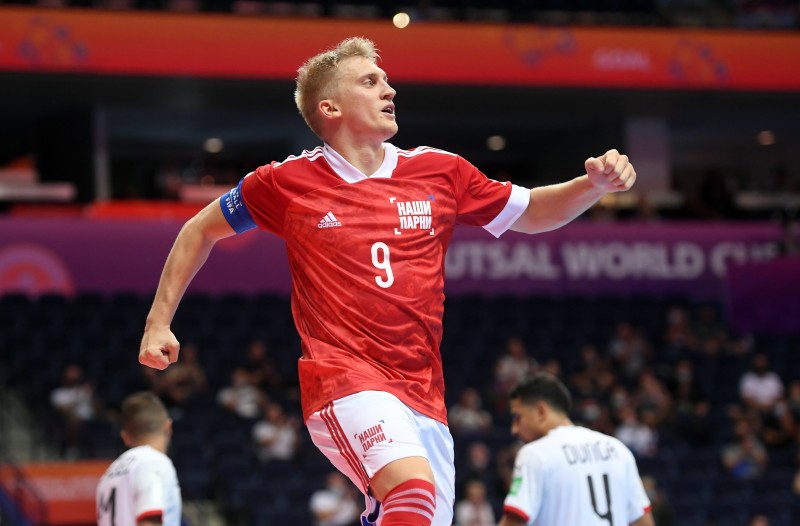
x=262 y=367
x=758 y=520
x=640 y=437
x=510 y=368
x=75 y=402
x=277 y=435
x=552 y=366
x=779 y=427
x=707 y=325
x=696 y=427
x=474 y=509
x=793 y=400
x=760 y=387
x=679 y=339
x=619 y=398
x=663 y=512
x=184 y=379
x=629 y=349
x=477 y=465
x=593 y=375
x=685 y=388
x=594 y=415
x=467 y=416
x=505 y=465
x=744 y=457
x=335 y=504
x=652 y=396
x=242 y=397
x=761 y=14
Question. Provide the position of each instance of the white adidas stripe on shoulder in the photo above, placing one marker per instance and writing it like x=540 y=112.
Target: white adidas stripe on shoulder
x=420 y=150
x=312 y=155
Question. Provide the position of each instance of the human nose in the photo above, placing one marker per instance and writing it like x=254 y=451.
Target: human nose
x=389 y=92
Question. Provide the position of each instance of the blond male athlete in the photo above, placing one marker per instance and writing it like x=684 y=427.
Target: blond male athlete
x=366 y=226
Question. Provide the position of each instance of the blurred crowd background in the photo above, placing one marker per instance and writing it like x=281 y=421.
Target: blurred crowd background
x=711 y=412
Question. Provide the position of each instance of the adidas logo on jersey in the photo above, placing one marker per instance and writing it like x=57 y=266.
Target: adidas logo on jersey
x=329 y=221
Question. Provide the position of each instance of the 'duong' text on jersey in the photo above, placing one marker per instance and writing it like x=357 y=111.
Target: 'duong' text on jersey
x=574 y=475
x=367 y=262
x=140 y=484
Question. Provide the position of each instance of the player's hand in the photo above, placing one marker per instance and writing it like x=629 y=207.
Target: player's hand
x=611 y=172
x=159 y=348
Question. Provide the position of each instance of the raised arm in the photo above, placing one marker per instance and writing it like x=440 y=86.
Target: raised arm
x=159 y=347
x=554 y=206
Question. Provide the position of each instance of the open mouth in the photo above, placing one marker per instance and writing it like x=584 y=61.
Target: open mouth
x=389 y=109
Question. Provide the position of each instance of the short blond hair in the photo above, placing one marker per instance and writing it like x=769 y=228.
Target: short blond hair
x=317 y=79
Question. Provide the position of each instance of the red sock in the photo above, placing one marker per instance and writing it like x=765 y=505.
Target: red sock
x=410 y=503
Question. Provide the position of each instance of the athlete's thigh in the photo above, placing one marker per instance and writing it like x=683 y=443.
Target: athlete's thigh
x=362 y=433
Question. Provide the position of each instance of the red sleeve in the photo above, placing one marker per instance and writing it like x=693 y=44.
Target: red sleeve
x=516 y=512
x=480 y=199
x=149 y=514
x=264 y=200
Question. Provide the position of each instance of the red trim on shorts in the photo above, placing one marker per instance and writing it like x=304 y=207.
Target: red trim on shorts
x=516 y=512
x=340 y=439
x=149 y=514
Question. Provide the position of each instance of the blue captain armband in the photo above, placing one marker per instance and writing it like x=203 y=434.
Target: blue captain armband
x=235 y=211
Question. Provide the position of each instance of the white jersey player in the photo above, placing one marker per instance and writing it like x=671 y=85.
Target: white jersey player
x=140 y=488
x=567 y=475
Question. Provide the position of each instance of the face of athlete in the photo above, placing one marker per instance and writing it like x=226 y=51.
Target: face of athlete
x=364 y=100
x=527 y=421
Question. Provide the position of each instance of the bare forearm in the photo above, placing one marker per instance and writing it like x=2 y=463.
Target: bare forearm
x=187 y=256
x=554 y=206
x=189 y=252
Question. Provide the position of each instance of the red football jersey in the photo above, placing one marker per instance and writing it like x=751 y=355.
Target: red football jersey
x=367 y=262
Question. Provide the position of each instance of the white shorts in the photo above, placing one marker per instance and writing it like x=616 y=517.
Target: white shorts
x=363 y=432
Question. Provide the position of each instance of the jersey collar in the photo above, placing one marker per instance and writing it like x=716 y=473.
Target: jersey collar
x=351 y=174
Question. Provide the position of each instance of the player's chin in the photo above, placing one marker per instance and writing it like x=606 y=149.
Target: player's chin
x=390 y=131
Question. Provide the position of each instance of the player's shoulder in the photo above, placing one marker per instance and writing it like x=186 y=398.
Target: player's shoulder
x=540 y=448
x=147 y=455
x=424 y=159
x=287 y=168
x=307 y=156
x=424 y=152
x=617 y=444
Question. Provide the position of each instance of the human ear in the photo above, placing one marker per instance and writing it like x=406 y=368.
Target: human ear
x=328 y=108
x=542 y=410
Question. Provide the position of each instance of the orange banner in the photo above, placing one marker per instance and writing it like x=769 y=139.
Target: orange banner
x=67 y=489
x=231 y=46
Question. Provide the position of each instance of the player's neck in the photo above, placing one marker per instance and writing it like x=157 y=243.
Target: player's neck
x=159 y=443
x=366 y=157
x=557 y=421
